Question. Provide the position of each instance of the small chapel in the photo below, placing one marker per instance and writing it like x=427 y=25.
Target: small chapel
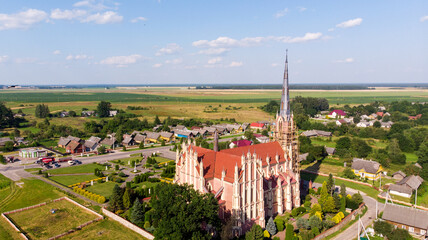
x=252 y=183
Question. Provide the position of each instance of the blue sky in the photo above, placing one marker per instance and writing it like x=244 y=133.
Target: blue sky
x=192 y=42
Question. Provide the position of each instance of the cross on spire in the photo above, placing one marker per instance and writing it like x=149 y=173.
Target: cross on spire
x=285 y=98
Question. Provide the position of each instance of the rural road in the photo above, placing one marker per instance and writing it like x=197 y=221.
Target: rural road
x=15 y=171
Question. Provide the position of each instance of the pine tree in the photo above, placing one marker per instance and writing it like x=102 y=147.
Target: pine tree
x=323 y=194
x=343 y=204
x=116 y=198
x=137 y=213
x=126 y=199
x=330 y=184
x=289 y=232
x=255 y=233
x=343 y=190
x=271 y=227
x=157 y=120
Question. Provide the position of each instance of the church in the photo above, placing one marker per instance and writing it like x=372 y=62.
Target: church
x=254 y=182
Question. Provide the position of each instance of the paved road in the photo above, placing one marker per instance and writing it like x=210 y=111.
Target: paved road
x=15 y=171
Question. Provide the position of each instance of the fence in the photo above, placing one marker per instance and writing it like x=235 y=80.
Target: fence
x=127 y=224
x=340 y=225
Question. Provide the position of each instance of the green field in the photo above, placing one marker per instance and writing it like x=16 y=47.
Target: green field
x=72 y=179
x=104 y=189
x=162 y=159
x=84 y=168
x=40 y=223
x=144 y=185
x=105 y=230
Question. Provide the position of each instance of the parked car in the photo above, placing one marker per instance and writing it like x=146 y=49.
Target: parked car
x=71 y=162
x=57 y=165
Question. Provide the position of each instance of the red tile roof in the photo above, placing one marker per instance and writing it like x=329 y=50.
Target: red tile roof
x=242 y=143
x=257 y=125
x=380 y=114
x=215 y=162
x=339 y=112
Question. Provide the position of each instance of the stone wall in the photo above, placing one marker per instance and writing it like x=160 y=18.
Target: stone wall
x=340 y=225
x=127 y=224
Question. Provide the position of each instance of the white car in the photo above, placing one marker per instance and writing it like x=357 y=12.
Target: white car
x=71 y=162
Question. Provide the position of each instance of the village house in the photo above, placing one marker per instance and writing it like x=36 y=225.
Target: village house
x=112 y=113
x=337 y=113
x=87 y=113
x=261 y=138
x=128 y=140
x=386 y=124
x=139 y=138
x=158 y=127
x=366 y=168
x=398 y=175
x=240 y=143
x=302 y=157
x=166 y=136
x=341 y=122
x=109 y=143
x=316 y=133
x=152 y=137
x=183 y=134
x=64 y=141
x=90 y=146
x=258 y=126
x=4 y=140
x=406 y=186
x=74 y=147
x=412 y=219
x=64 y=114
x=330 y=150
x=20 y=141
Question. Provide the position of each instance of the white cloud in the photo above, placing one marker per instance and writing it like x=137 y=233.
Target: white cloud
x=330 y=29
x=302 y=9
x=67 y=14
x=138 y=19
x=226 y=42
x=25 y=60
x=121 y=61
x=346 y=60
x=215 y=60
x=350 y=23
x=77 y=57
x=104 y=18
x=190 y=67
x=236 y=64
x=157 y=65
x=92 y=4
x=281 y=13
x=171 y=48
x=214 y=51
x=274 y=64
x=56 y=52
x=3 y=58
x=174 y=61
x=21 y=20
x=424 y=18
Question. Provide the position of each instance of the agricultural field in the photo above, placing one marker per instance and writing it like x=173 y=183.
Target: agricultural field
x=40 y=223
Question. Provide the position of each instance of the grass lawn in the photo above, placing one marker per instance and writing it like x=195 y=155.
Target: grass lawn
x=124 y=161
x=72 y=179
x=105 y=189
x=33 y=191
x=40 y=223
x=423 y=200
x=363 y=188
x=104 y=230
x=162 y=159
x=411 y=158
x=85 y=168
x=144 y=184
x=327 y=166
x=323 y=142
x=33 y=169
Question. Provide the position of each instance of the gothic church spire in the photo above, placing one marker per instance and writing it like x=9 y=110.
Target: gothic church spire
x=285 y=98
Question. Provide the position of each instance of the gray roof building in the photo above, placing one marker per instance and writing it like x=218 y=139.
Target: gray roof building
x=368 y=165
x=405 y=215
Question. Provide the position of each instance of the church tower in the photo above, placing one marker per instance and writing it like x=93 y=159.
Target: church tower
x=285 y=131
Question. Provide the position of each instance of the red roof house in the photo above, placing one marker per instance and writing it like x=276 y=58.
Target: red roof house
x=241 y=143
x=380 y=114
x=257 y=125
x=337 y=113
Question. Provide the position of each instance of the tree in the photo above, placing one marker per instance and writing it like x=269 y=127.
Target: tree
x=103 y=109
x=395 y=154
x=137 y=213
x=330 y=184
x=255 y=233
x=271 y=227
x=8 y=146
x=265 y=133
x=116 y=201
x=280 y=224
x=157 y=120
x=72 y=113
x=302 y=223
x=315 y=222
x=101 y=150
x=329 y=205
x=179 y=210
x=376 y=124
x=343 y=143
x=126 y=199
x=289 y=232
x=141 y=146
x=42 y=111
x=357 y=198
x=360 y=148
x=343 y=190
x=324 y=194
x=6 y=117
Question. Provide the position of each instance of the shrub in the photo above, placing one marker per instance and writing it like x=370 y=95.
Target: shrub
x=146 y=224
x=40 y=172
x=315 y=231
x=271 y=227
x=116 y=167
x=266 y=234
x=289 y=232
x=315 y=222
x=302 y=223
x=121 y=174
x=280 y=224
